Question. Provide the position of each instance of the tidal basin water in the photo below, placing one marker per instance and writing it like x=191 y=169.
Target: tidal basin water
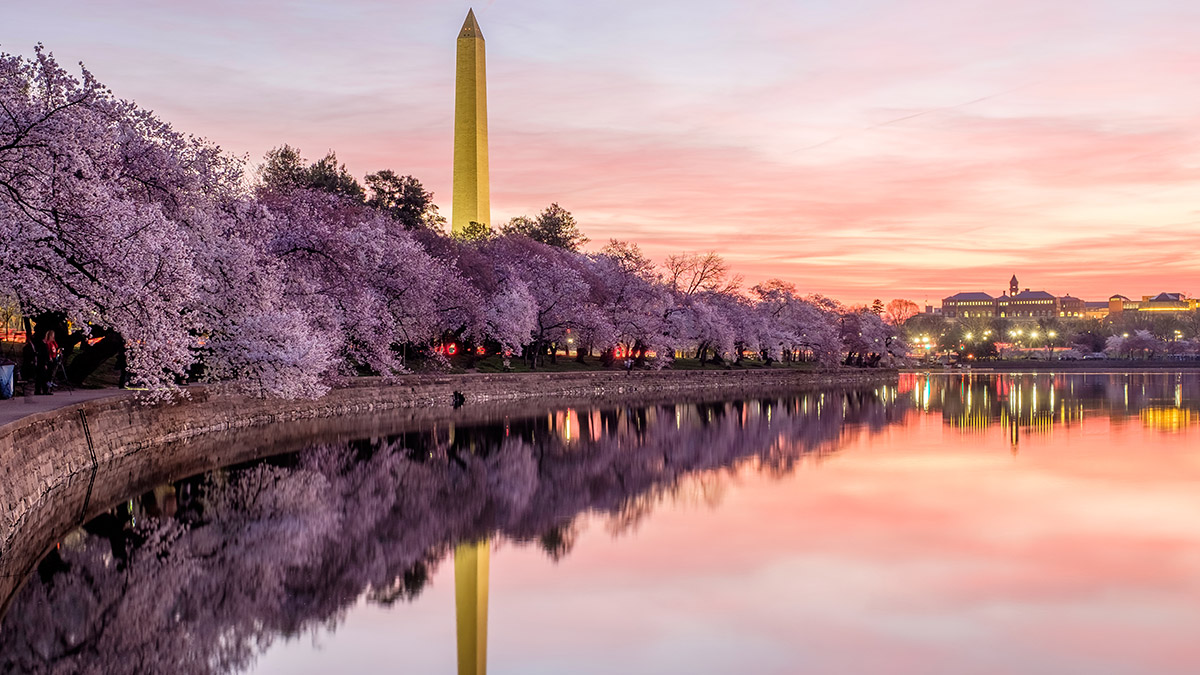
x=948 y=524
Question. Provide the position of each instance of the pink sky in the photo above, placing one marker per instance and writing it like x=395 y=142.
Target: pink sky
x=858 y=148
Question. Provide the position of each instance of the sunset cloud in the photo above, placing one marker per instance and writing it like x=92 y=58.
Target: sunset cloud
x=863 y=149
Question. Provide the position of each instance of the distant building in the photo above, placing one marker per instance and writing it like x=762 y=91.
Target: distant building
x=1095 y=310
x=1071 y=308
x=1163 y=302
x=969 y=306
x=1029 y=304
x=1120 y=303
x=1015 y=304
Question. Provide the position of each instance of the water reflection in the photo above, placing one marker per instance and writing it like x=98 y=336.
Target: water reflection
x=201 y=575
x=1039 y=403
x=920 y=543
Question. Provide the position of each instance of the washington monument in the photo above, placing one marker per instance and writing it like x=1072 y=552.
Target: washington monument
x=471 y=201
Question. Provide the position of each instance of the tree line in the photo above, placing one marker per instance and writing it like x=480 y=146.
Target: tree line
x=173 y=253
x=1118 y=335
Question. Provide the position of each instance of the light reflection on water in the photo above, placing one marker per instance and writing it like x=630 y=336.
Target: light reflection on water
x=952 y=523
x=1040 y=403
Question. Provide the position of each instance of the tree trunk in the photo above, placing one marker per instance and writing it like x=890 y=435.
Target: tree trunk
x=640 y=359
x=607 y=357
x=93 y=357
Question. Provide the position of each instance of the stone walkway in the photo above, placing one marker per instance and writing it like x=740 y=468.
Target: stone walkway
x=17 y=407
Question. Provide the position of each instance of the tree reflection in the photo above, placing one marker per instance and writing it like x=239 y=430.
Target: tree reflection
x=202 y=575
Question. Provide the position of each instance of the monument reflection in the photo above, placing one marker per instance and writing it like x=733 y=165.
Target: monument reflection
x=471 y=605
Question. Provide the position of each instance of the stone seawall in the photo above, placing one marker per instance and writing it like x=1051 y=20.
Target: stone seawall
x=59 y=467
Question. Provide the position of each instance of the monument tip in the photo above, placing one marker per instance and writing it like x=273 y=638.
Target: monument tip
x=470 y=27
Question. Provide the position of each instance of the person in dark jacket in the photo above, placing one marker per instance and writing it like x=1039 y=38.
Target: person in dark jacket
x=43 y=365
x=29 y=366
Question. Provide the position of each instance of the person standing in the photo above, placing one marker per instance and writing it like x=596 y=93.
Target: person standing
x=29 y=364
x=55 y=353
x=52 y=346
x=42 y=365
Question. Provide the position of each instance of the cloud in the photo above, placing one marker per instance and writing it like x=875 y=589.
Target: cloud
x=859 y=149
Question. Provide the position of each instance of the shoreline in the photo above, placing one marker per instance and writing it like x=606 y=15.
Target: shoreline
x=1081 y=366
x=60 y=467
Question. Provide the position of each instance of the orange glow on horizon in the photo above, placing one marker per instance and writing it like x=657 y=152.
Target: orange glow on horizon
x=886 y=150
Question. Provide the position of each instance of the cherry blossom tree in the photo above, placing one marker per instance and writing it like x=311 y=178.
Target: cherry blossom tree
x=1141 y=343
x=554 y=279
x=628 y=294
x=511 y=315
x=791 y=326
x=704 y=314
x=96 y=200
x=864 y=337
x=359 y=275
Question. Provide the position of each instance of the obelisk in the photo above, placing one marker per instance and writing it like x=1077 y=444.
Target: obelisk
x=471 y=606
x=471 y=201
